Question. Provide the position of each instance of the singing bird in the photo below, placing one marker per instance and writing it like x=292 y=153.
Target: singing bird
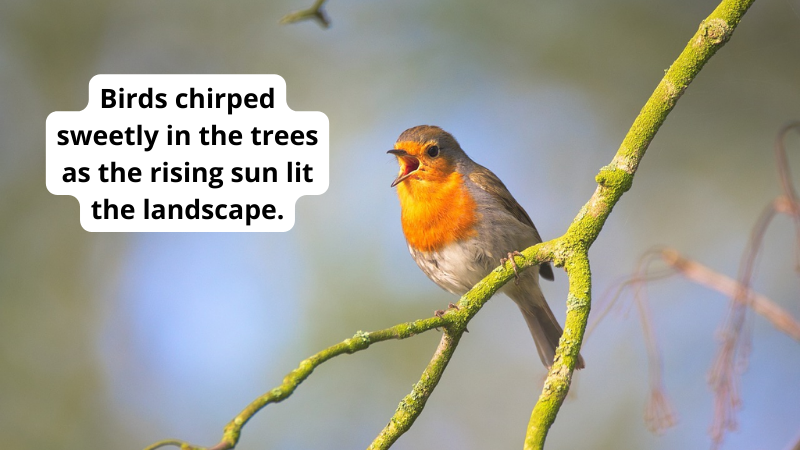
x=460 y=222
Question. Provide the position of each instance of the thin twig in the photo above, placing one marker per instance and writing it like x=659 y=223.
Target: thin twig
x=169 y=443
x=454 y=321
x=791 y=206
x=315 y=12
x=360 y=341
x=411 y=406
x=760 y=304
x=731 y=359
x=659 y=413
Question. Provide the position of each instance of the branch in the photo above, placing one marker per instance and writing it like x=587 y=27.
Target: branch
x=795 y=445
x=731 y=358
x=457 y=319
x=360 y=341
x=454 y=321
x=315 y=12
x=411 y=406
x=613 y=180
x=788 y=203
x=760 y=304
x=659 y=415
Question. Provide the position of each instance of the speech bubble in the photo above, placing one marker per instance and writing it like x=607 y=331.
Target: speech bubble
x=187 y=153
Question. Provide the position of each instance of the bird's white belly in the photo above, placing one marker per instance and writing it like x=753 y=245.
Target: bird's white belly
x=458 y=266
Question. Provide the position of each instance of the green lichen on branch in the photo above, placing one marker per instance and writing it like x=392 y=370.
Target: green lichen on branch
x=713 y=33
x=412 y=404
x=613 y=181
x=454 y=322
x=360 y=341
x=559 y=378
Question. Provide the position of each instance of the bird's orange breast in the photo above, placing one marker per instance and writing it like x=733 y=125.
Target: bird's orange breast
x=436 y=212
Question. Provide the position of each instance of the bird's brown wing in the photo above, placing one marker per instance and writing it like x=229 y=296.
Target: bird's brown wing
x=488 y=181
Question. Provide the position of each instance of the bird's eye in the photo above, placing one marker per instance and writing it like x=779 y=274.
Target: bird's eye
x=433 y=151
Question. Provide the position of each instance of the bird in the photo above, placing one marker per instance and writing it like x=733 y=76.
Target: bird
x=460 y=221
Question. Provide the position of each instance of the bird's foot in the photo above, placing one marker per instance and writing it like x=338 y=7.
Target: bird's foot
x=511 y=256
x=440 y=312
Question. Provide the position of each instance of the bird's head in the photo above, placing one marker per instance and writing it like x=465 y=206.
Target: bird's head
x=426 y=153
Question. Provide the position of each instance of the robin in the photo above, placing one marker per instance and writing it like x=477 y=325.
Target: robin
x=460 y=220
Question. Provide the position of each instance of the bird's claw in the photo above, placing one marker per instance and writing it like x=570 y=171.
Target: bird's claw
x=440 y=312
x=511 y=256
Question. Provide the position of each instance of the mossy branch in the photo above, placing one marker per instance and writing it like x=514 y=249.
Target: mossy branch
x=454 y=322
x=569 y=251
x=360 y=341
x=614 y=180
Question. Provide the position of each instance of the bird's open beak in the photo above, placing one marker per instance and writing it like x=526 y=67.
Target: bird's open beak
x=408 y=165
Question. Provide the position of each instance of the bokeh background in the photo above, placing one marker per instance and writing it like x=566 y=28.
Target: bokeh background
x=119 y=340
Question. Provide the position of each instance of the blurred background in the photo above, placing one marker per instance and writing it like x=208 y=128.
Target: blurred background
x=119 y=340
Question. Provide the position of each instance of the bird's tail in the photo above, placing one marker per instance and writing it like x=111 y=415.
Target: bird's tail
x=543 y=325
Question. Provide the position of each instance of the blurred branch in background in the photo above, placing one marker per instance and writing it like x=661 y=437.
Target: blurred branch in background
x=731 y=359
x=735 y=334
x=795 y=445
x=315 y=12
x=569 y=251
